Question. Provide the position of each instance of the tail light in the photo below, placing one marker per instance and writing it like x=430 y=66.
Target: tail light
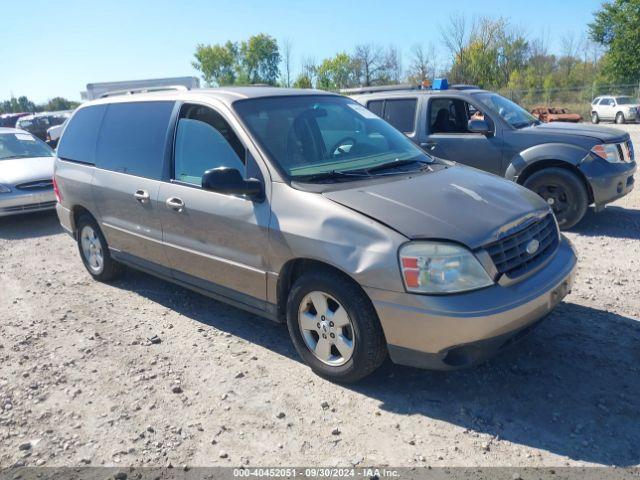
x=56 y=190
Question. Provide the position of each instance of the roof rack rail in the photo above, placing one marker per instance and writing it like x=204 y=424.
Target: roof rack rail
x=381 y=88
x=462 y=86
x=134 y=91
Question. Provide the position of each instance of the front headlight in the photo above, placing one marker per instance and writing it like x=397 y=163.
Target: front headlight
x=438 y=267
x=4 y=189
x=608 y=152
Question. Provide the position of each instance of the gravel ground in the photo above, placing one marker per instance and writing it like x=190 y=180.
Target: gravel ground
x=81 y=384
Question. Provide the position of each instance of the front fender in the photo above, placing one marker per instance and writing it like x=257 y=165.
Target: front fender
x=571 y=154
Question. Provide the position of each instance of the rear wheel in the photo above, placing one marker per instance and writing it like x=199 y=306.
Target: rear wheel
x=564 y=191
x=619 y=118
x=334 y=327
x=595 y=118
x=94 y=250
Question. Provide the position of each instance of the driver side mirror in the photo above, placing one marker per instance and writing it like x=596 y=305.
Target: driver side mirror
x=479 y=126
x=230 y=181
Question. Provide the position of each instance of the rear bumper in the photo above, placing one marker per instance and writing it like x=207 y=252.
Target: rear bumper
x=453 y=331
x=609 y=181
x=66 y=218
x=15 y=203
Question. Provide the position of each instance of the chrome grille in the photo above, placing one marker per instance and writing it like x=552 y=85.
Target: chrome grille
x=510 y=254
x=36 y=185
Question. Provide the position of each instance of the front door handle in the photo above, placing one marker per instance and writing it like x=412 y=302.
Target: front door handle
x=175 y=203
x=142 y=196
x=429 y=145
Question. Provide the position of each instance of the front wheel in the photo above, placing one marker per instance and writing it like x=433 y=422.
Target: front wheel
x=620 y=118
x=334 y=327
x=595 y=118
x=565 y=193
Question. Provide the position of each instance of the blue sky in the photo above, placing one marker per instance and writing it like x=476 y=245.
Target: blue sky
x=52 y=49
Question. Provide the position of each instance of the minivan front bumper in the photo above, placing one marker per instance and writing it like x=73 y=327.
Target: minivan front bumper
x=452 y=331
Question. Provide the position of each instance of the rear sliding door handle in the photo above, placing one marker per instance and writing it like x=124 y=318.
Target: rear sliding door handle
x=175 y=203
x=142 y=196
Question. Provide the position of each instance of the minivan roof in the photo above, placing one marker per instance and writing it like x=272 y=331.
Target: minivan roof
x=227 y=95
x=413 y=93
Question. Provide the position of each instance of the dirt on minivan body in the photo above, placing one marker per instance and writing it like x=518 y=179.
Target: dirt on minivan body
x=144 y=373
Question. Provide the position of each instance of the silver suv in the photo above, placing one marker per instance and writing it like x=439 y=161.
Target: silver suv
x=621 y=109
x=306 y=208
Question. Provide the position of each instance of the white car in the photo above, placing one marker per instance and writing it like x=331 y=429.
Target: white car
x=26 y=173
x=620 y=109
x=53 y=134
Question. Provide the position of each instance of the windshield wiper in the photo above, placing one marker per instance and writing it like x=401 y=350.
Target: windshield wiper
x=333 y=174
x=397 y=163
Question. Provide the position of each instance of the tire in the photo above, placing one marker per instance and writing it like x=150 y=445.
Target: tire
x=341 y=297
x=595 y=118
x=564 y=191
x=91 y=240
x=620 y=118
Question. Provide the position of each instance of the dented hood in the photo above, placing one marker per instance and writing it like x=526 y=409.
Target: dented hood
x=460 y=204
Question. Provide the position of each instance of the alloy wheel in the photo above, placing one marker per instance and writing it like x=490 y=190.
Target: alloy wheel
x=92 y=249
x=326 y=328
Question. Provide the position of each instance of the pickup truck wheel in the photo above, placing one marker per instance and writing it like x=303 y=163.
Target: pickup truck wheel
x=595 y=118
x=334 y=327
x=565 y=193
x=94 y=250
x=619 y=118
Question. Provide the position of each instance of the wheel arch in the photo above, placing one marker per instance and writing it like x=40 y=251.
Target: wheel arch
x=294 y=269
x=76 y=212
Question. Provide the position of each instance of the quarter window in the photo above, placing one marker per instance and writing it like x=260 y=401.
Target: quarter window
x=78 y=143
x=376 y=107
x=133 y=138
x=204 y=140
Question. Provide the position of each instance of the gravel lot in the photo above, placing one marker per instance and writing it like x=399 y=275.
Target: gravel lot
x=81 y=384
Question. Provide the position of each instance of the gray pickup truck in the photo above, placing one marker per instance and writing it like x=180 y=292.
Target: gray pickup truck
x=570 y=166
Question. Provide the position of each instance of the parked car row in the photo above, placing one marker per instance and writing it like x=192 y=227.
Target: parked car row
x=38 y=124
x=309 y=208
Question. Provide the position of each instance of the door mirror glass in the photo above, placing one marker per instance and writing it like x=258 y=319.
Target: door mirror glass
x=478 y=126
x=230 y=181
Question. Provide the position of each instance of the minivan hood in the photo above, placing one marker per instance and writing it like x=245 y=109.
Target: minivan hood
x=22 y=170
x=458 y=204
x=604 y=134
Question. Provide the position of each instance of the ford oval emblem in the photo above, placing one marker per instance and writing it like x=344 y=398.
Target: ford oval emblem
x=532 y=246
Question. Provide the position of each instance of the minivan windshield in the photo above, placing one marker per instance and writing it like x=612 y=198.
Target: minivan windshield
x=512 y=113
x=22 y=145
x=315 y=136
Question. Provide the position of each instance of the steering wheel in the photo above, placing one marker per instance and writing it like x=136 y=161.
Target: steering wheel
x=343 y=146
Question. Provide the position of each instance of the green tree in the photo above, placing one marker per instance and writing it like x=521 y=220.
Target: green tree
x=260 y=59
x=617 y=27
x=218 y=63
x=336 y=73
x=17 y=105
x=59 y=103
x=303 y=81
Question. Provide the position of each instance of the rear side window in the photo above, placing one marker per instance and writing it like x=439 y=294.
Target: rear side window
x=401 y=114
x=133 y=138
x=376 y=107
x=78 y=143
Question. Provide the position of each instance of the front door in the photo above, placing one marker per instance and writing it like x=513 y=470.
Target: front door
x=447 y=135
x=213 y=241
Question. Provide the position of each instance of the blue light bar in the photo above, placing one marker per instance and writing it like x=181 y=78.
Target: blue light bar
x=440 y=84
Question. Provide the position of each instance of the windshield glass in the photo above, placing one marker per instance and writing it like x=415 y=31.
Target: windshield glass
x=312 y=135
x=512 y=113
x=623 y=100
x=22 y=145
